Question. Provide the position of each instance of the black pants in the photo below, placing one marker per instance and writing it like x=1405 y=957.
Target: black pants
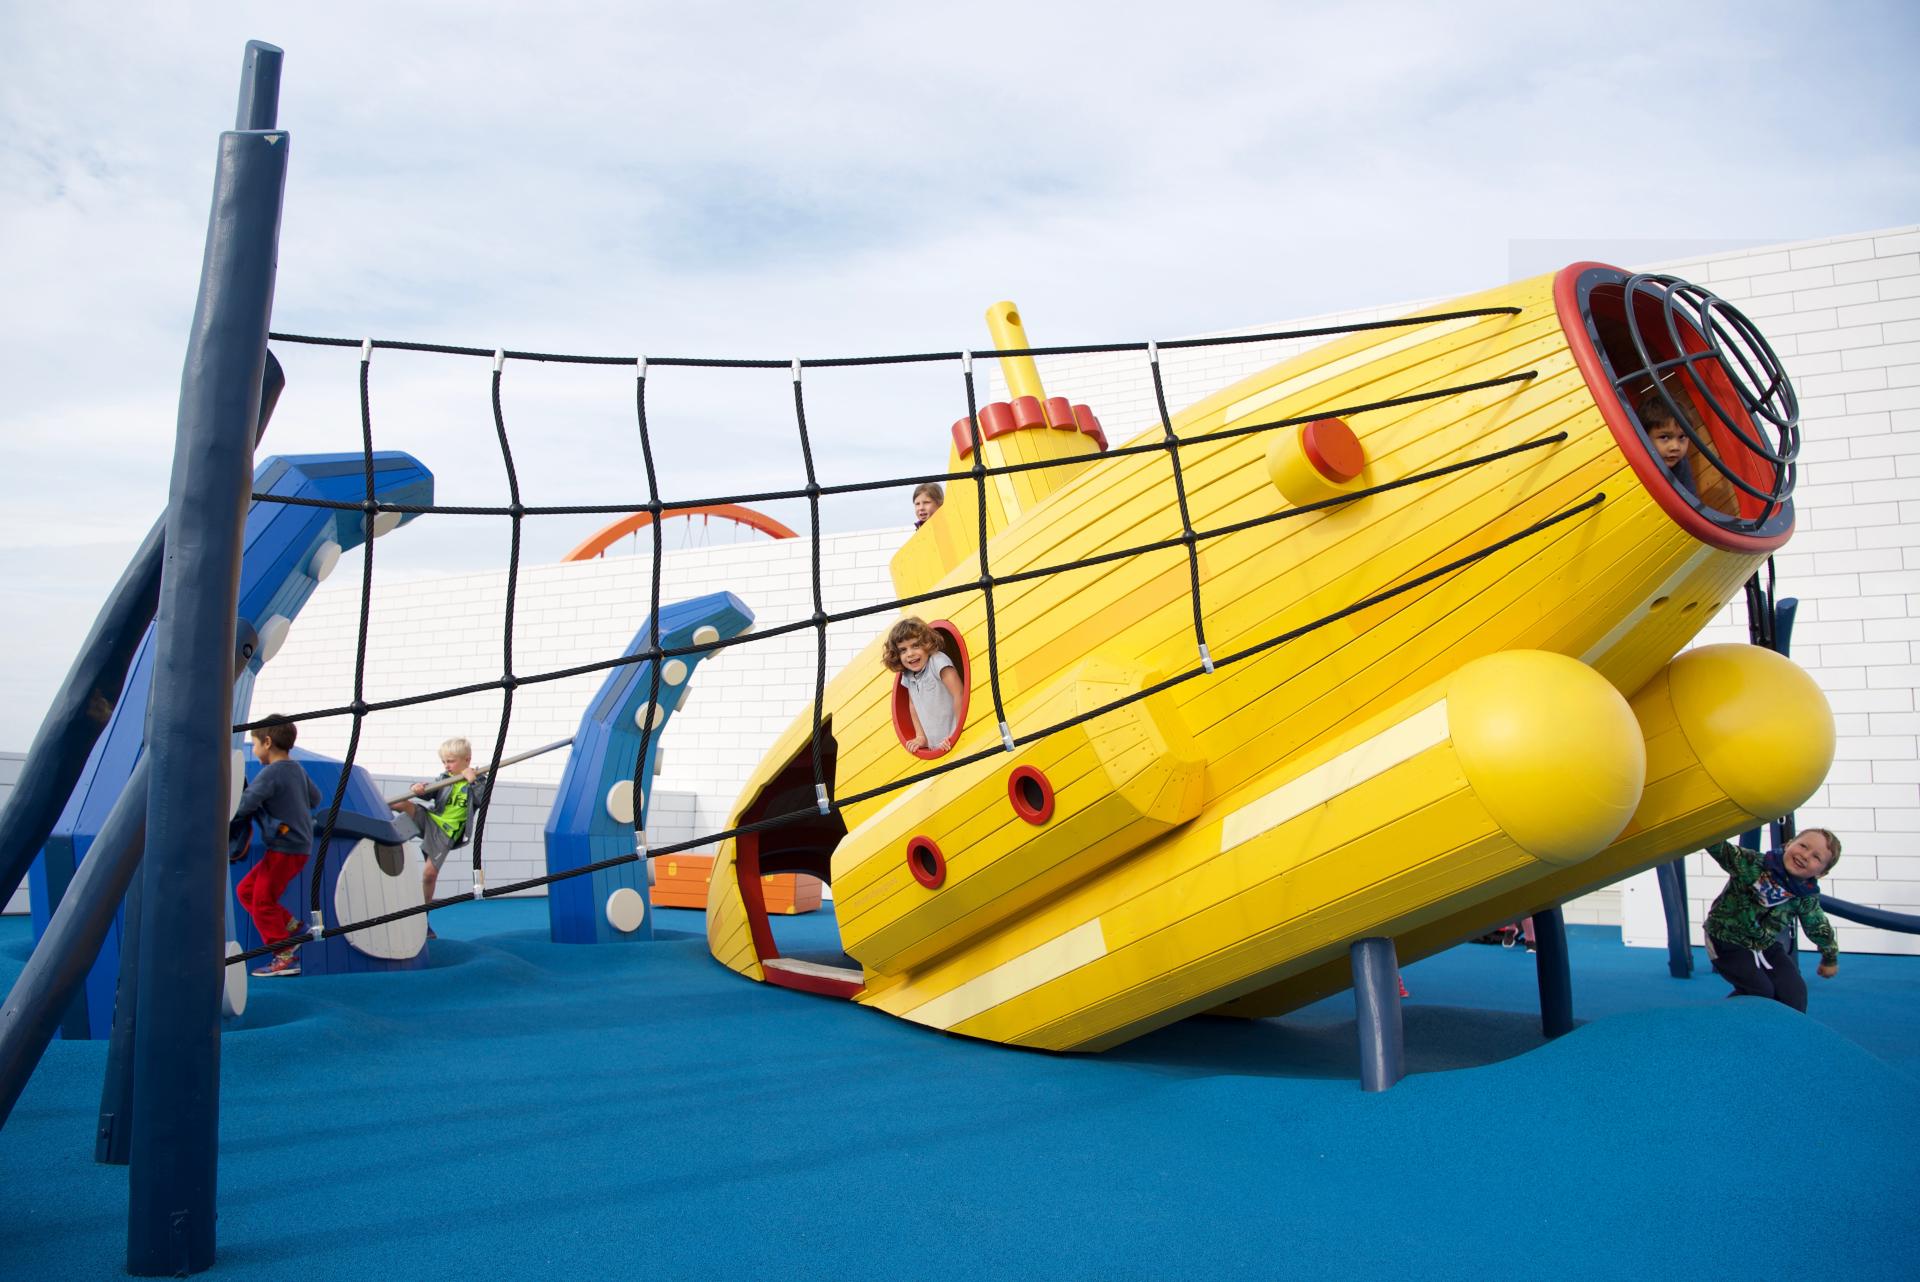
x=1783 y=982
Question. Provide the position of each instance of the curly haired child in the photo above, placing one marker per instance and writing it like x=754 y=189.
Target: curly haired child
x=933 y=683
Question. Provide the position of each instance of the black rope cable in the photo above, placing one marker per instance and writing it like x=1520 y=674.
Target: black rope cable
x=517 y=511
x=986 y=570
x=945 y=767
x=369 y=515
x=652 y=712
x=1018 y=576
x=1172 y=443
x=845 y=362
x=857 y=487
x=507 y=680
x=822 y=796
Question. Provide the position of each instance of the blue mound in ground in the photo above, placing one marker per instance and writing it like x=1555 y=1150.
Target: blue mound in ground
x=523 y=1109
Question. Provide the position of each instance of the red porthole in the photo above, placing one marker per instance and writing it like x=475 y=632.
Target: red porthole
x=1031 y=794
x=955 y=649
x=926 y=863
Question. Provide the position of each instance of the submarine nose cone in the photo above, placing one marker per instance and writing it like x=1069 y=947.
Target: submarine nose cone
x=1550 y=748
x=1760 y=725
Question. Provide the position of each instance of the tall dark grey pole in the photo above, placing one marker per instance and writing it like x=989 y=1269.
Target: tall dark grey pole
x=1554 y=971
x=259 y=87
x=176 y=1089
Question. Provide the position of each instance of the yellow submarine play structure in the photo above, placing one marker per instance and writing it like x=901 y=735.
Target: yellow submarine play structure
x=1400 y=663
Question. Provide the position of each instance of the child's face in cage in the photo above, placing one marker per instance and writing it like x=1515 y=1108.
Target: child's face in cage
x=1670 y=443
x=913 y=655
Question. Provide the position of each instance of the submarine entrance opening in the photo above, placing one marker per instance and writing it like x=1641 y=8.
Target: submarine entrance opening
x=1672 y=355
x=802 y=846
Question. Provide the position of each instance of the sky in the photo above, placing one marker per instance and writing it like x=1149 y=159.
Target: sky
x=780 y=180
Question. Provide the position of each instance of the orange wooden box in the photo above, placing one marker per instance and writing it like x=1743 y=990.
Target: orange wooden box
x=680 y=881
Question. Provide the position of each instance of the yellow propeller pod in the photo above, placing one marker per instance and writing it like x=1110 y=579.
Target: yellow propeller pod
x=1760 y=725
x=1552 y=751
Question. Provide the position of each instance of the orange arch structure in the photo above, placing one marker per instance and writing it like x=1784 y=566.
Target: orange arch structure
x=606 y=538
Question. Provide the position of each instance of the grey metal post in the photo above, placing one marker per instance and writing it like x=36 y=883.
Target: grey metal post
x=1376 y=1010
x=1554 y=972
x=176 y=1089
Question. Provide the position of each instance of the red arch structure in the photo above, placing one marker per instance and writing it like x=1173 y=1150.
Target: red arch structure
x=606 y=538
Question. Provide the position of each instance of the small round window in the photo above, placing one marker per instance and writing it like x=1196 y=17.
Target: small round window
x=904 y=713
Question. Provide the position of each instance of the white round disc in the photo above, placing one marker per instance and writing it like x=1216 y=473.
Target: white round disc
x=325 y=557
x=620 y=801
x=237 y=779
x=706 y=634
x=385 y=523
x=365 y=889
x=273 y=635
x=648 y=714
x=626 y=909
x=233 y=993
x=673 y=671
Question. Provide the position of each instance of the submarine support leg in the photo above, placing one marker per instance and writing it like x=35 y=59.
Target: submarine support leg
x=1673 y=904
x=1376 y=1009
x=1556 y=981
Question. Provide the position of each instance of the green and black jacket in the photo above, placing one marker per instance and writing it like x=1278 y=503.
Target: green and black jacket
x=1739 y=916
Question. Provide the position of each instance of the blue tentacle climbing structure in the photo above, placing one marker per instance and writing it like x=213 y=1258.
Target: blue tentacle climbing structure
x=594 y=816
x=288 y=550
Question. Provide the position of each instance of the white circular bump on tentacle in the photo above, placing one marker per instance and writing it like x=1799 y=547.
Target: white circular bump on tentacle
x=626 y=909
x=673 y=671
x=385 y=523
x=273 y=635
x=706 y=634
x=648 y=716
x=325 y=557
x=620 y=802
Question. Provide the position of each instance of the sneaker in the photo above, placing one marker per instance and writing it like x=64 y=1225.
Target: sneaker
x=286 y=962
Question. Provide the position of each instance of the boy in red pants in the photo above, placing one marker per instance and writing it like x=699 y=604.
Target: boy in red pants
x=283 y=797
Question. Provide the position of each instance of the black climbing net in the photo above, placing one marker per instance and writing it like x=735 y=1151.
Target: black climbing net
x=1170 y=443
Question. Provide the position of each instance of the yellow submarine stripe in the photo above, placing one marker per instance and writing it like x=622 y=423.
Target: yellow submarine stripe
x=1635 y=617
x=1399 y=742
x=1043 y=964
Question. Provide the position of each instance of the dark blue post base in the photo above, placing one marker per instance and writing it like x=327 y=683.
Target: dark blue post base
x=1673 y=903
x=1376 y=1010
x=1556 y=980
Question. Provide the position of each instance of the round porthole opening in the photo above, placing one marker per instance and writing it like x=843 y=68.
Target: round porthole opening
x=1031 y=794
x=924 y=860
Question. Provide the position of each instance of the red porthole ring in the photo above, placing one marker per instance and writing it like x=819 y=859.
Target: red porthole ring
x=955 y=648
x=926 y=863
x=1031 y=794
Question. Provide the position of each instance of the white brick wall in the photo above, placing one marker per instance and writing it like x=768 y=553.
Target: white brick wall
x=1844 y=315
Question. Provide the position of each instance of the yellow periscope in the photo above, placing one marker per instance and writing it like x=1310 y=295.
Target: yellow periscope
x=1473 y=709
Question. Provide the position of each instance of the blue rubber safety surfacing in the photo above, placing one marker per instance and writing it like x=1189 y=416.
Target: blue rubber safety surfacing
x=521 y=1108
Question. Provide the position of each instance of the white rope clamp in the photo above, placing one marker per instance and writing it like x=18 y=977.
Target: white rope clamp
x=640 y=842
x=318 y=925
x=796 y=369
x=1153 y=352
x=499 y=360
x=820 y=799
x=966 y=363
x=479 y=882
x=639 y=367
x=1006 y=736
x=1206 y=658
x=366 y=350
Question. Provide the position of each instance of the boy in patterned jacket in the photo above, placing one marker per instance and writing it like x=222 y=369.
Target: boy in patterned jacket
x=1766 y=894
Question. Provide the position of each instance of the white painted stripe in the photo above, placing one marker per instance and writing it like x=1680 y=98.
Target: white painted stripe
x=1333 y=369
x=1009 y=979
x=1395 y=744
x=1600 y=648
